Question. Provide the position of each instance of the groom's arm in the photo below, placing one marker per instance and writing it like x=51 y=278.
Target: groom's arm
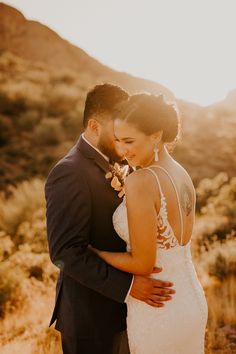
x=68 y=224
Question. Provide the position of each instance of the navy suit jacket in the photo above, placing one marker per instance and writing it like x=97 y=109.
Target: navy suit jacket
x=80 y=203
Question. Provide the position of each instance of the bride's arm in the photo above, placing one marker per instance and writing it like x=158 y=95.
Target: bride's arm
x=142 y=221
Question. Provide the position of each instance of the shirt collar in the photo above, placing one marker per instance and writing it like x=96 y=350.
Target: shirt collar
x=104 y=156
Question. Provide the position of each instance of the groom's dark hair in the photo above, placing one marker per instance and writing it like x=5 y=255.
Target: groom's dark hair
x=102 y=99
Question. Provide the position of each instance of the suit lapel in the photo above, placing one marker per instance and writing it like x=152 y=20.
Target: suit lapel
x=104 y=166
x=90 y=153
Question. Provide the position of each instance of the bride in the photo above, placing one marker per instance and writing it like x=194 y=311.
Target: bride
x=156 y=220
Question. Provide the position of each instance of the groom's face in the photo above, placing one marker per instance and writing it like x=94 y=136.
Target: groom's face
x=107 y=142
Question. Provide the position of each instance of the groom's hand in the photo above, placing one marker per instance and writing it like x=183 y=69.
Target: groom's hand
x=152 y=291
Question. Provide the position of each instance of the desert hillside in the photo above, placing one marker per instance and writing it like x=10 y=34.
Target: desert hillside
x=35 y=42
x=41 y=112
x=208 y=144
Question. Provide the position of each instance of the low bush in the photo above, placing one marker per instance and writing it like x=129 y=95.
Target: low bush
x=48 y=132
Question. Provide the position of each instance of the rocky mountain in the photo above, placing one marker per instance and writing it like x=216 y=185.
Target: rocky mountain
x=35 y=42
x=208 y=144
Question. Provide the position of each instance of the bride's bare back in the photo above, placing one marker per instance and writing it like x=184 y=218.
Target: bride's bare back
x=179 y=193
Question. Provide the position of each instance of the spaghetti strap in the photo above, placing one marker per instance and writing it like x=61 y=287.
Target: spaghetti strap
x=177 y=195
x=157 y=179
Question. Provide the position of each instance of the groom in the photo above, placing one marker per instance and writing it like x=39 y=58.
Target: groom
x=90 y=310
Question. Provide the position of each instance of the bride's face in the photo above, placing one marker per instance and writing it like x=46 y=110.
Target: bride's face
x=132 y=143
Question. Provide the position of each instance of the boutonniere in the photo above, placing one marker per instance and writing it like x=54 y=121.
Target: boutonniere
x=117 y=175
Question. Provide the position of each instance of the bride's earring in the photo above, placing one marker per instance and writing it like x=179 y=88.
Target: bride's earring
x=156 y=158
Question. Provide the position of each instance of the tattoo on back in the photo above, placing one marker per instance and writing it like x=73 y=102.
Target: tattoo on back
x=186 y=199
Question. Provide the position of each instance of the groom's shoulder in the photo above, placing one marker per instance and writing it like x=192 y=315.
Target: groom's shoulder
x=72 y=164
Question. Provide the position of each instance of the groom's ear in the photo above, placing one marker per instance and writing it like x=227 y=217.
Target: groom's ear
x=94 y=126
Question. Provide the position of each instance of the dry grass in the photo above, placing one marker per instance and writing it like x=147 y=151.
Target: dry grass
x=24 y=201
x=48 y=343
x=216 y=267
x=221 y=331
x=27 y=277
x=26 y=330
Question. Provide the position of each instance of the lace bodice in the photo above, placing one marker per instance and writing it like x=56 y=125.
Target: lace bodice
x=166 y=238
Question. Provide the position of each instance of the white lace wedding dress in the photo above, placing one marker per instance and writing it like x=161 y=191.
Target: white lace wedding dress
x=178 y=327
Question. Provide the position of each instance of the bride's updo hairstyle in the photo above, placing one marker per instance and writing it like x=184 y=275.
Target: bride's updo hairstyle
x=150 y=114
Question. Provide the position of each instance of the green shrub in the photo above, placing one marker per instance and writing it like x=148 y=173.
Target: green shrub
x=26 y=199
x=73 y=125
x=49 y=132
x=6 y=130
x=62 y=99
x=10 y=106
x=219 y=258
x=209 y=188
x=28 y=120
x=217 y=207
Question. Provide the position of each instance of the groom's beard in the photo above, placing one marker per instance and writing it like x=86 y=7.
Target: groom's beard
x=107 y=147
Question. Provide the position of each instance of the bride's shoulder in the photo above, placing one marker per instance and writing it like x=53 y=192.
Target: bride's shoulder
x=139 y=179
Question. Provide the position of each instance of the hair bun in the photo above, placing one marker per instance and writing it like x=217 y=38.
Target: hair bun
x=151 y=113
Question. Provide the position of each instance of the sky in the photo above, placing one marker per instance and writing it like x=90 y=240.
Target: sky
x=189 y=46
